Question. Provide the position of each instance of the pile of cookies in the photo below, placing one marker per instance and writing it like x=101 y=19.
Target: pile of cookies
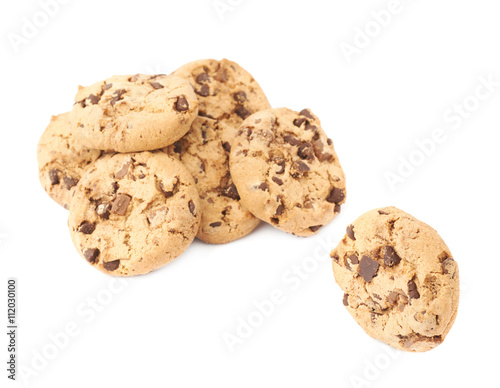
x=147 y=163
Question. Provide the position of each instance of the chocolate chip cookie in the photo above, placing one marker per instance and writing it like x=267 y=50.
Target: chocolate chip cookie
x=204 y=150
x=62 y=160
x=133 y=213
x=134 y=113
x=399 y=279
x=286 y=170
x=226 y=91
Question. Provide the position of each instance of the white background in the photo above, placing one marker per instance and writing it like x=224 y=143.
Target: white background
x=166 y=328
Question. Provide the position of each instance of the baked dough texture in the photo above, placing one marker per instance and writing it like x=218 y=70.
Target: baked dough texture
x=133 y=213
x=286 y=170
x=134 y=113
x=225 y=90
x=400 y=281
x=62 y=160
x=204 y=150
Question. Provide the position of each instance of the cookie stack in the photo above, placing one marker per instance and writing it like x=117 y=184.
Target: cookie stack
x=147 y=163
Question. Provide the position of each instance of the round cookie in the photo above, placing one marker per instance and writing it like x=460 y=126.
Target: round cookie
x=133 y=213
x=134 y=113
x=204 y=150
x=286 y=170
x=400 y=282
x=62 y=160
x=225 y=90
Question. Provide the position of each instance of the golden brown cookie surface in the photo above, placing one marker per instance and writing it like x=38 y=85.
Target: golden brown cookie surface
x=133 y=213
x=204 y=150
x=62 y=160
x=400 y=281
x=286 y=170
x=133 y=113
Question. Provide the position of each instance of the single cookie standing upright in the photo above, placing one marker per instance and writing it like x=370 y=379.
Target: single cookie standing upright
x=134 y=113
x=133 y=213
x=204 y=150
x=226 y=91
x=399 y=279
x=62 y=160
x=286 y=170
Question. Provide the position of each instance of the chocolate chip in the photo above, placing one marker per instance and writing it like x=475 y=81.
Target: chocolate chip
x=391 y=258
x=445 y=263
x=336 y=195
x=111 y=265
x=177 y=147
x=205 y=114
x=263 y=186
x=354 y=259
x=242 y=112
x=336 y=209
x=350 y=232
x=103 y=210
x=381 y=212
x=156 y=85
x=114 y=187
x=203 y=91
x=318 y=151
x=181 y=105
x=392 y=298
x=86 y=227
x=280 y=162
x=221 y=75
x=231 y=191
x=226 y=146
x=412 y=290
x=367 y=268
x=94 y=99
x=191 y=207
x=345 y=300
x=107 y=86
x=240 y=97
x=299 y=122
x=305 y=151
x=292 y=140
x=277 y=180
x=313 y=128
x=120 y=204
x=70 y=182
x=280 y=209
x=118 y=96
x=247 y=131
x=91 y=255
x=307 y=113
x=170 y=193
x=54 y=177
x=124 y=170
x=215 y=224
x=315 y=228
x=202 y=77
x=301 y=167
